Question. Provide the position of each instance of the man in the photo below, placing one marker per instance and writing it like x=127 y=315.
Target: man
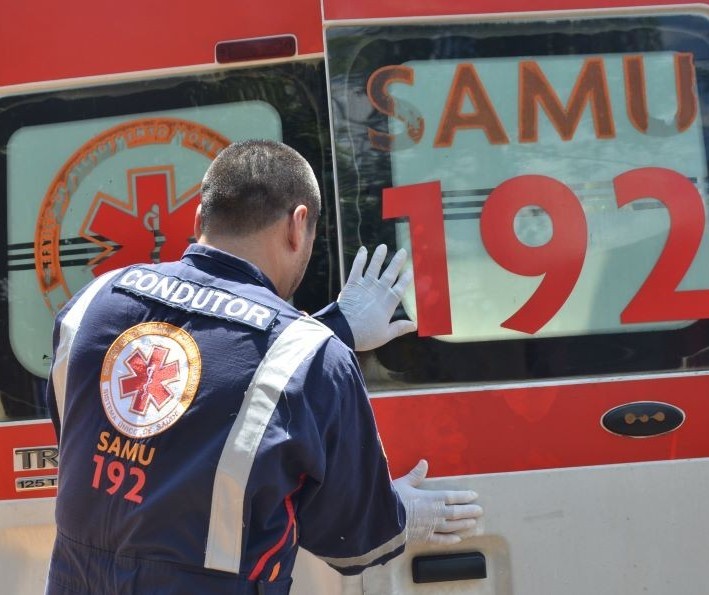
x=207 y=428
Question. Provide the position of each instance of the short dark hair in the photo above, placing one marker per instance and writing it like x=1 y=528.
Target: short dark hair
x=252 y=184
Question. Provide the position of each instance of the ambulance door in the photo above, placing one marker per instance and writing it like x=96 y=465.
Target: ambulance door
x=97 y=178
x=548 y=178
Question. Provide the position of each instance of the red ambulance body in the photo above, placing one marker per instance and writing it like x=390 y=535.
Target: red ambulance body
x=545 y=167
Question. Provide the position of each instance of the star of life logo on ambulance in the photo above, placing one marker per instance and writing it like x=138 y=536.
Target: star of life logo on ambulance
x=149 y=378
x=148 y=215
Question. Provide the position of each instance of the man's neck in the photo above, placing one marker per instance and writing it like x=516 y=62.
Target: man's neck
x=261 y=249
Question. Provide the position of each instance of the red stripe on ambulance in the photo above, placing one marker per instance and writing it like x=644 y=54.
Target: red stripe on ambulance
x=536 y=427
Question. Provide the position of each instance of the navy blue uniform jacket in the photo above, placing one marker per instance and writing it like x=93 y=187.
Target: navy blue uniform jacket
x=207 y=429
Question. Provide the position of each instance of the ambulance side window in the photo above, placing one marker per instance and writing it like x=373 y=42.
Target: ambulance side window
x=102 y=177
x=534 y=172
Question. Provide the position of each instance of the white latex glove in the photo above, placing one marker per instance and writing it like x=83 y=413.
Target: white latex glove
x=368 y=301
x=442 y=517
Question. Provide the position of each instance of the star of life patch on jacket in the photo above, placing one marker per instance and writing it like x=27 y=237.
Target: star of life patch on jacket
x=194 y=297
x=149 y=378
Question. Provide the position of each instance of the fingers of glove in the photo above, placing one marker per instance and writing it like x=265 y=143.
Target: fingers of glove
x=375 y=264
x=459 y=496
x=392 y=271
x=401 y=327
x=400 y=287
x=444 y=539
x=357 y=266
x=460 y=526
x=411 y=479
x=469 y=533
x=463 y=511
x=418 y=473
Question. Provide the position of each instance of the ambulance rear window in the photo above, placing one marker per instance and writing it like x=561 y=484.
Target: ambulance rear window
x=102 y=177
x=549 y=180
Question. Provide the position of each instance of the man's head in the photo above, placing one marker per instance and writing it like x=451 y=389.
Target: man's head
x=261 y=201
x=253 y=183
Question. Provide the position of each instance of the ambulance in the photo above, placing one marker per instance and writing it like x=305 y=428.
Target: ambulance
x=544 y=164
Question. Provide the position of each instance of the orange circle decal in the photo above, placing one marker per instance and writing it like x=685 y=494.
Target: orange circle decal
x=151 y=223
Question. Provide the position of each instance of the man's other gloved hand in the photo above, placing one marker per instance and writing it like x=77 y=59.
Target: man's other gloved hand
x=442 y=517
x=368 y=301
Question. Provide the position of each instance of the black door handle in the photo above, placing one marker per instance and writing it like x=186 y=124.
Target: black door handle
x=449 y=567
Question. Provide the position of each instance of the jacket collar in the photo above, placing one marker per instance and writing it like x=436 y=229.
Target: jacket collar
x=226 y=265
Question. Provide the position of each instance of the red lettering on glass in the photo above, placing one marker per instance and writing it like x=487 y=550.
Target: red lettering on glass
x=560 y=259
x=658 y=298
x=422 y=205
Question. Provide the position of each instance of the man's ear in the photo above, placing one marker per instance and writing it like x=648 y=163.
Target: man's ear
x=298 y=227
x=198 y=222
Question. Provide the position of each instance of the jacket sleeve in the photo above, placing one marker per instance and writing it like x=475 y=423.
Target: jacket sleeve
x=60 y=351
x=353 y=517
x=333 y=318
x=50 y=395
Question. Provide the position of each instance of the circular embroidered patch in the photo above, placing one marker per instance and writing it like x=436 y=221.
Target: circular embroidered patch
x=149 y=377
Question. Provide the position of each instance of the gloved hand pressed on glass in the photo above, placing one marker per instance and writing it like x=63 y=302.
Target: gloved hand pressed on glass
x=442 y=517
x=368 y=301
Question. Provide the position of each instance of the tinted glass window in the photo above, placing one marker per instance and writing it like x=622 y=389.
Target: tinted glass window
x=103 y=177
x=549 y=180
